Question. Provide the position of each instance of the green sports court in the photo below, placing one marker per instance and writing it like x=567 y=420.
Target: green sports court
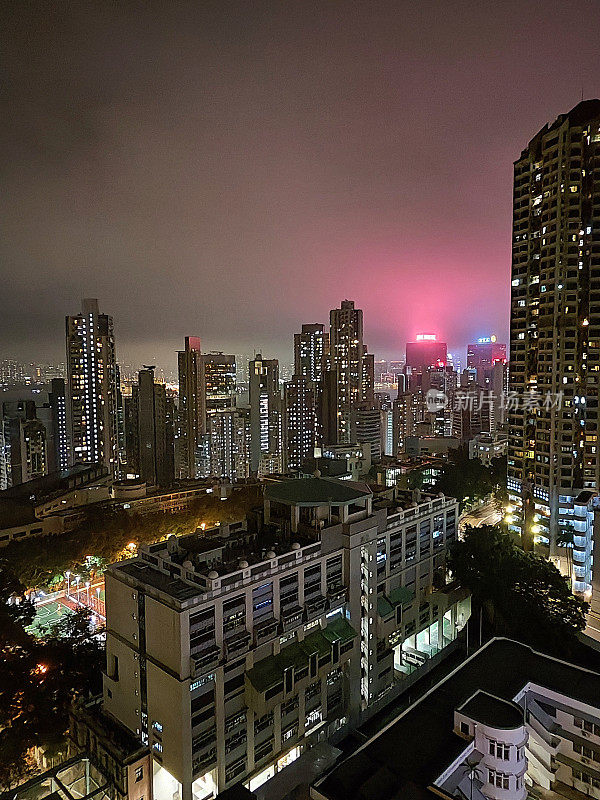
x=46 y=615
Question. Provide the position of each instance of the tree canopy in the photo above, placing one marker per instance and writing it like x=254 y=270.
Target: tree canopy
x=463 y=477
x=39 y=676
x=523 y=594
x=105 y=533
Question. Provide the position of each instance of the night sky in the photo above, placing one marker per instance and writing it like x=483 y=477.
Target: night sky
x=231 y=170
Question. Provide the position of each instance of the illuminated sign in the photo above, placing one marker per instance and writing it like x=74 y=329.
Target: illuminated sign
x=487 y=339
x=426 y=337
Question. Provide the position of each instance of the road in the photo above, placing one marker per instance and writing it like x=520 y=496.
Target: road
x=487 y=514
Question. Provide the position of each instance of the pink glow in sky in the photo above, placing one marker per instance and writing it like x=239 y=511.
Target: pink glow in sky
x=232 y=170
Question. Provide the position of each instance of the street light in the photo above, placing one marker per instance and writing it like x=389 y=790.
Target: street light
x=77 y=580
x=68 y=576
x=87 y=586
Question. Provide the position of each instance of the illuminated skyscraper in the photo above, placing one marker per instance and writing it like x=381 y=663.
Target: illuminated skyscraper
x=217 y=385
x=150 y=431
x=57 y=399
x=483 y=354
x=92 y=378
x=555 y=340
x=300 y=399
x=190 y=410
x=346 y=357
x=23 y=444
x=229 y=432
x=266 y=413
x=426 y=352
x=311 y=347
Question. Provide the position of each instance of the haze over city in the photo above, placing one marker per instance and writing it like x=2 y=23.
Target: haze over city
x=195 y=164
x=299 y=400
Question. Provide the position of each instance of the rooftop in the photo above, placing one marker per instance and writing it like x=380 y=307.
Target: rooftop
x=406 y=756
x=317 y=491
x=54 y=483
x=493 y=711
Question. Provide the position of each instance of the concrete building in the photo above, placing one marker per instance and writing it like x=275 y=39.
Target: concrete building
x=555 y=335
x=92 y=392
x=365 y=428
x=149 y=433
x=368 y=378
x=484 y=353
x=244 y=653
x=59 y=405
x=190 y=419
x=23 y=444
x=41 y=507
x=229 y=432
x=217 y=385
x=302 y=432
x=407 y=411
x=487 y=446
x=347 y=360
x=418 y=446
x=266 y=416
x=327 y=407
x=509 y=723
x=311 y=349
x=426 y=352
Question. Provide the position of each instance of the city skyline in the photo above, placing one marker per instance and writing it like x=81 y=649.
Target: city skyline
x=285 y=355
x=299 y=401
x=159 y=181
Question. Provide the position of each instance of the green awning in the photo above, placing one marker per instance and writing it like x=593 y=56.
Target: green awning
x=384 y=607
x=269 y=672
x=265 y=674
x=291 y=656
x=316 y=643
x=401 y=596
x=339 y=630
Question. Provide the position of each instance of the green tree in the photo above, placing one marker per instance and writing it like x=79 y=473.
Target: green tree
x=523 y=595
x=467 y=479
x=16 y=610
x=106 y=531
x=39 y=678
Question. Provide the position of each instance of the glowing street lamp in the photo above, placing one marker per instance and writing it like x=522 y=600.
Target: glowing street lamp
x=68 y=577
x=77 y=580
x=87 y=586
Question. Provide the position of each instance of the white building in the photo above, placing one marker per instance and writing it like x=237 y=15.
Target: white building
x=487 y=446
x=235 y=653
x=507 y=724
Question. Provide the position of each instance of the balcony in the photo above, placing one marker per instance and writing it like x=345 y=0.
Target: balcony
x=237 y=642
x=315 y=607
x=265 y=630
x=291 y=617
x=264 y=682
x=336 y=597
x=206 y=658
